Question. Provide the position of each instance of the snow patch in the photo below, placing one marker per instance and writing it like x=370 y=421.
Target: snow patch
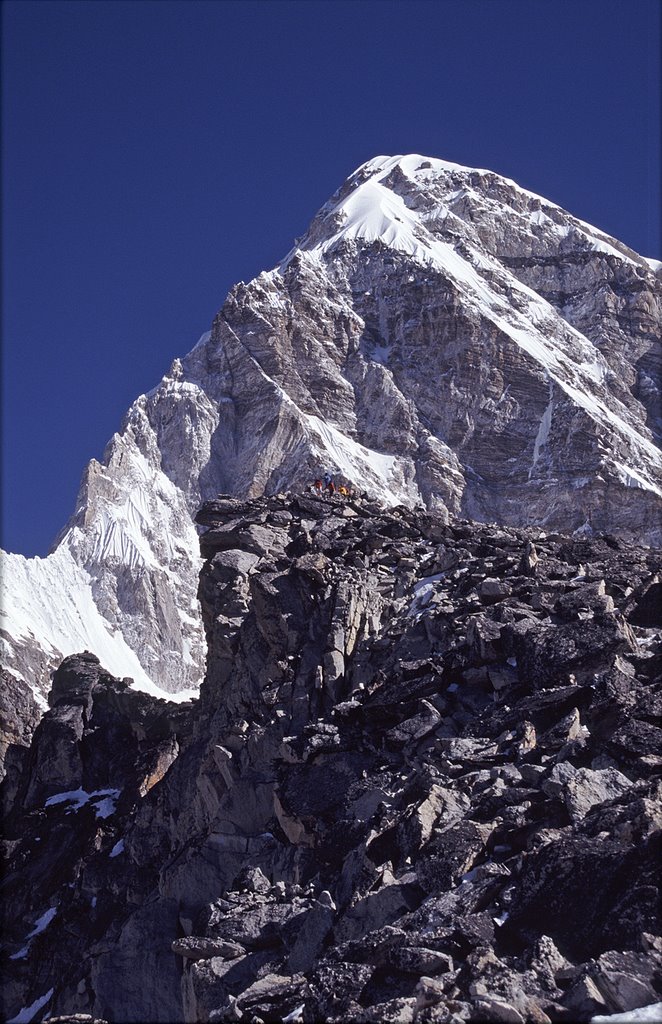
x=380 y=354
x=651 y=1014
x=180 y=697
x=7 y=648
x=632 y=477
x=103 y=801
x=295 y=1016
x=27 y=1014
x=543 y=429
x=118 y=532
x=368 y=468
x=42 y=923
x=49 y=601
x=424 y=590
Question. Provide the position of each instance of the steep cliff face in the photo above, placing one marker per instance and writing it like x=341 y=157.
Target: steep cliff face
x=440 y=337
x=400 y=319
x=421 y=782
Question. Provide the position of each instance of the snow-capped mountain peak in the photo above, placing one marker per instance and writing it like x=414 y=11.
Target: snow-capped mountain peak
x=372 y=205
x=439 y=336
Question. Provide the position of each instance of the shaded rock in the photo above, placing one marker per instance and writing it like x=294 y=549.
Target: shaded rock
x=252 y=880
x=395 y=898
x=416 y=727
x=588 y=788
x=270 y=996
x=430 y=808
x=58 y=764
x=335 y=987
x=452 y=853
x=591 y=598
x=585 y=999
x=645 y=608
x=490 y=1009
x=311 y=934
x=483 y=638
x=200 y=948
x=418 y=960
x=558 y=895
x=547 y=655
x=19 y=717
x=627 y=981
x=492 y=590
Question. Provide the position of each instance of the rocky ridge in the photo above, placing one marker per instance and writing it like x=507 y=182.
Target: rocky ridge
x=440 y=336
x=421 y=782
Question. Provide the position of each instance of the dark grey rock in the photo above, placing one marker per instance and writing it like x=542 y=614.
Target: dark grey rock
x=393 y=835
x=193 y=947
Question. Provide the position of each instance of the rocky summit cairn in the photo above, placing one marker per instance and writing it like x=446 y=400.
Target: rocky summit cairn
x=421 y=783
x=439 y=335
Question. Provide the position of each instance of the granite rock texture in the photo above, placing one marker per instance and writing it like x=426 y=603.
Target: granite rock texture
x=404 y=792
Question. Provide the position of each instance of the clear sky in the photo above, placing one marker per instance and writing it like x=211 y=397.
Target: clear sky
x=156 y=152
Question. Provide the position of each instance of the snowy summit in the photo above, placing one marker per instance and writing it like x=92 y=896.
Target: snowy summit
x=440 y=336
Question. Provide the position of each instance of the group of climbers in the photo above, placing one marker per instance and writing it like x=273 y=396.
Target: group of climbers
x=327 y=484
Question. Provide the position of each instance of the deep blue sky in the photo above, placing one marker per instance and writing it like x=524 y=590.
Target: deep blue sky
x=154 y=153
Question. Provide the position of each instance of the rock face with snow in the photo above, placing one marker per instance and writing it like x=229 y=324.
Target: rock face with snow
x=421 y=783
x=439 y=337
x=19 y=715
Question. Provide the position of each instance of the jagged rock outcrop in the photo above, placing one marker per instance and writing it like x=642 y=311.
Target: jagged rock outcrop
x=421 y=782
x=439 y=336
x=19 y=716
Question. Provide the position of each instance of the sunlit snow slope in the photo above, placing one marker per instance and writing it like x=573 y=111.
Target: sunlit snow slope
x=439 y=336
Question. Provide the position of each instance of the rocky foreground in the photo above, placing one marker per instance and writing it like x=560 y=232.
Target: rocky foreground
x=421 y=783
